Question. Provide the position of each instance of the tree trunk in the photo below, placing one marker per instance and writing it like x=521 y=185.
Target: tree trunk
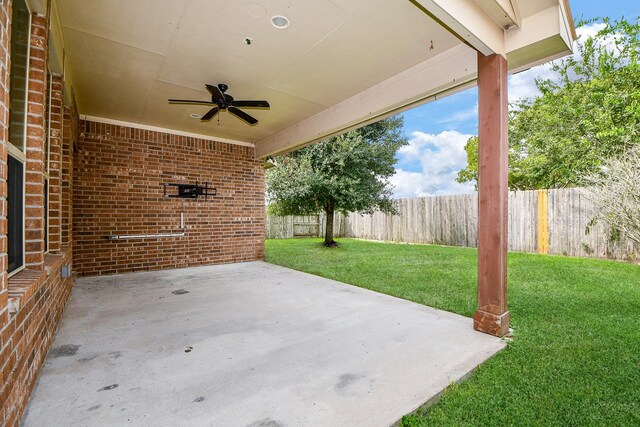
x=328 y=232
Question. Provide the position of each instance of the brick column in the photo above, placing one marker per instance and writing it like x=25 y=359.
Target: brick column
x=69 y=134
x=5 y=17
x=492 y=316
x=55 y=163
x=34 y=183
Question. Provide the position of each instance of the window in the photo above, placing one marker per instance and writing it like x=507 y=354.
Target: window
x=20 y=35
x=15 y=213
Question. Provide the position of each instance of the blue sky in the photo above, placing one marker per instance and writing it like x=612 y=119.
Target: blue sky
x=438 y=131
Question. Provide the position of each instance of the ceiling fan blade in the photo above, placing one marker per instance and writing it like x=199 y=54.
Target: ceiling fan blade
x=188 y=101
x=215 y=92
x=210 y=114
x=251 y=104
x=244 y=116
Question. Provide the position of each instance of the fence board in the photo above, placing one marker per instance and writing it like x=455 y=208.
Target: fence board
x=287 y=227
x=453 y=220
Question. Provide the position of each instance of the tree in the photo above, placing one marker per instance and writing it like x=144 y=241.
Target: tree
x=348 y=173
x=615 y=191
x=589 y=113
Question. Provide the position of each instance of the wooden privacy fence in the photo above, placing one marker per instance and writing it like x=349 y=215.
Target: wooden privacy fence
x=540 y=221
x=288 y=227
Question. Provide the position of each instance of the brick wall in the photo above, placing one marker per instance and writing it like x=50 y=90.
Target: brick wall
x=41 y=296
x=32 y=300
x=117 y=190
x=69 y=139
x=114 y=174
x=5 y=14
x=55 y=163
x=34 y=189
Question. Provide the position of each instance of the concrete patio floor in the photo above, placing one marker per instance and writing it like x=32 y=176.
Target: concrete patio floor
x=249 y=344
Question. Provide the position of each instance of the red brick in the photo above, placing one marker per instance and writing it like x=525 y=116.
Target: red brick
x=118 y=190
x=107 y=179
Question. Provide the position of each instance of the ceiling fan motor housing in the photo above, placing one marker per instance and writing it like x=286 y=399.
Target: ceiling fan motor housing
x=223 y=101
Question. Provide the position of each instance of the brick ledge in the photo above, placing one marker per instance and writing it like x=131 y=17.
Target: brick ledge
x=25 y=283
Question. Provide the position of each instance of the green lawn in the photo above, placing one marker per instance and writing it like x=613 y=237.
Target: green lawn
x=575 y=357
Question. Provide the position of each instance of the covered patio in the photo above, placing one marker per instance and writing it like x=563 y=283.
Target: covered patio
x=249 y=344
x=102 y=175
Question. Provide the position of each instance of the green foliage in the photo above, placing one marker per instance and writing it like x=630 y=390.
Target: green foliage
x=590 y=114
x=347 y=173
x=575 y=354
x=470 y=173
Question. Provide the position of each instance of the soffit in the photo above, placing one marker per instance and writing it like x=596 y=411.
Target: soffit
x=340 y=64
x=129 y=56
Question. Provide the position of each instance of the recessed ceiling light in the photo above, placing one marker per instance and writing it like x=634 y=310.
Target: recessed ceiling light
x=280 y=22
x=195 y=115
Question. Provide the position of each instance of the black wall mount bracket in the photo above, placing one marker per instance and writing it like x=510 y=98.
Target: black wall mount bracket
x=188 y=191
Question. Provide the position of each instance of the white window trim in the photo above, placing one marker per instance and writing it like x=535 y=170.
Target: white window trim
x=16 y=152
x=24 y=208
x=26 y=91
x=21 y=154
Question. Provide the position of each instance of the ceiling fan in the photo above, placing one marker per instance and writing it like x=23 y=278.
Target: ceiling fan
x=223 y=101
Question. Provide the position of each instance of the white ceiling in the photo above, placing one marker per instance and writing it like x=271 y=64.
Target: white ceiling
x=129 y=56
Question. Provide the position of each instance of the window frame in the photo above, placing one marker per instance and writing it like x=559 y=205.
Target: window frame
x=22 y=150
x=21 y=155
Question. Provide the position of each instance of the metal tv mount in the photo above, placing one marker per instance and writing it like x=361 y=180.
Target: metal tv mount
x=188 y=191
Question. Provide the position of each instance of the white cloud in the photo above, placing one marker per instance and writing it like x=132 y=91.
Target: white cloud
x=590 y=30
x=523 y=85
x=440 y=156
x=462 y=116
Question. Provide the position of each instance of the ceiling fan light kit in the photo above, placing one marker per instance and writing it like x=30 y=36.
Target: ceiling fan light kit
x=222 y=101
